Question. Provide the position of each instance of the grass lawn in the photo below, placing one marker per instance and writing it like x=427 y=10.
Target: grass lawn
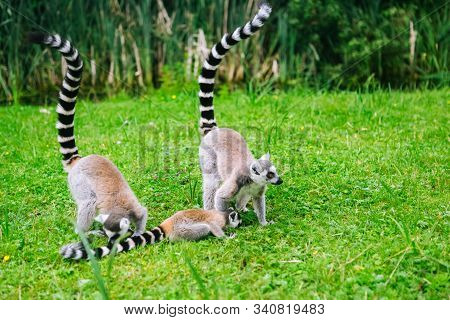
x=363 y=211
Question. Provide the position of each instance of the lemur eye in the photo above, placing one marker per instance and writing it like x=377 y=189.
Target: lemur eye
x=270 y=175
x=255 y=171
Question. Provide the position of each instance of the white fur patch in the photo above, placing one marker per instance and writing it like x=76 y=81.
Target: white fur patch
x=159 y=229
x=202 y=108
x=144 y=242
x=67 y=150
x=247 y=30
x=78 y=255
x=257 y=23
x=56 y=41
x=236 y=35
x=224 y=42
x=207 y=66
x=205 y=94
x=63 y=111
x=152 y=241
x=75 y=68
x=202 y=120
x=124 y=223
x=65 y=48
x=60 y=125
x=69 y=87
x=131 y=243
x=215 y=54
x=71 y=77
x=65 y=98
x=74 y=56
x=264 y=11
x=105 y=251
x=205 y=80
x=65 y=139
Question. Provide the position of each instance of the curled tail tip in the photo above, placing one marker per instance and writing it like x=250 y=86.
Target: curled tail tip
x=38 y=37
x=265 y=8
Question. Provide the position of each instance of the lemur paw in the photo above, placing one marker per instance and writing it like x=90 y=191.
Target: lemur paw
x=232 y=236
x=136 y=234
x=244 y=209
x=265 y=223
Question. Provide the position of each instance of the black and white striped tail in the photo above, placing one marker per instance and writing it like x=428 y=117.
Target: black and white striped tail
x=67 y=94
x=218 y=51
x=148 y=237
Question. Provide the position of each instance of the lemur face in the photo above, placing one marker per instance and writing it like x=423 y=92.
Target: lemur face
x=234 y=219
x=263 y=172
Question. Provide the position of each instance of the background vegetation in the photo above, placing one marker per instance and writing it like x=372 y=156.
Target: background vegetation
x=136 y=45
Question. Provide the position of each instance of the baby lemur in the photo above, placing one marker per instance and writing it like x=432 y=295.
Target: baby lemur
x=97 y=186
x=190 y=225
x=229 y=169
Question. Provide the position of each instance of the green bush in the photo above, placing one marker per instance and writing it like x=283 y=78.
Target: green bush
x=323 y=43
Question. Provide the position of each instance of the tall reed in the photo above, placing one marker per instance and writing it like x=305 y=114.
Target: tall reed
x=133 y=45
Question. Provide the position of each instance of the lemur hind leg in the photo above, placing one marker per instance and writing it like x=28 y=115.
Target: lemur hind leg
x=210 y=185
x=211 y=179
x=85 y=199
x=86 y=214
x=190 y=232
x=217 y=231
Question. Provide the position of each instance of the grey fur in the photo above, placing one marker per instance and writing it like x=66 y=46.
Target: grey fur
x=231 y=172
x=97 y=186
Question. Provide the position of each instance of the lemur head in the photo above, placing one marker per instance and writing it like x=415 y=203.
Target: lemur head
x=234 y=219
x=263 y=172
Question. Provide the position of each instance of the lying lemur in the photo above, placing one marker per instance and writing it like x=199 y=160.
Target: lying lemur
x=228 y=167
x=190 y=225
x=95 y=182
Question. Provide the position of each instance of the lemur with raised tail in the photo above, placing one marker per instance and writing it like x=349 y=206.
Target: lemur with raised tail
x=96 y=185
x=229 y=169
x=189 y=225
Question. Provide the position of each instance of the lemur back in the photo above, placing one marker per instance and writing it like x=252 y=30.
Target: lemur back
x=188 y=225
x=96 y=184
x=229 y=170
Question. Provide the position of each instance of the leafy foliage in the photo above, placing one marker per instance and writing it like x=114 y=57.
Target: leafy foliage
x=135 y=45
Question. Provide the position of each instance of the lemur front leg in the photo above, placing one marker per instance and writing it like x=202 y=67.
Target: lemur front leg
x=224 y=195
x=141 y=223
x=259 y=204
x=241 y=203
x=218 y=232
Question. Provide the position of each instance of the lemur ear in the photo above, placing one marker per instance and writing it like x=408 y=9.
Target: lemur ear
x=256 y=168
x=265 y=157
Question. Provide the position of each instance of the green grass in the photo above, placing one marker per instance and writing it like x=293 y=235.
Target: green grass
x=363 y=212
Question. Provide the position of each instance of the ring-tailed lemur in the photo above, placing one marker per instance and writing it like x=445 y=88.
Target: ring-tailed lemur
x=228 y=167
x=190 y=225
x=95 y=182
